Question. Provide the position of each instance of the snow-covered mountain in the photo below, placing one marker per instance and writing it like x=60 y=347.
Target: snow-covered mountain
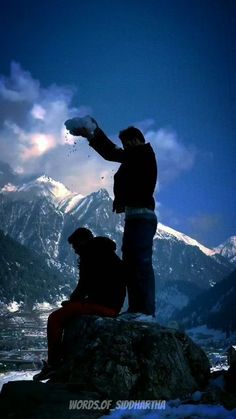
x=42 y=213
x=228 y=249
x=168 y=234
x=44 y=186
x=183 y=270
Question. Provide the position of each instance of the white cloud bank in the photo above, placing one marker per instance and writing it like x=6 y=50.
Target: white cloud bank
x=33 y=138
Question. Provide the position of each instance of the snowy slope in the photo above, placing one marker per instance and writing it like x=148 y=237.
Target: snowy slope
x=228 y=249
x=71 y=202
x=168 y=233
x=43 y=186
x=42 y=213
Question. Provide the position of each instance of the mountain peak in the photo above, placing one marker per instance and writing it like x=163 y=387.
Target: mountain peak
x=58 y=189
x=46 y=186
x=45 y=178
x=102 y=193
x=227 y=249
x=230 y=241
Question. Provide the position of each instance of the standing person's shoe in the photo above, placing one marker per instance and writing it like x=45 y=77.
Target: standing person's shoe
x=46 y=372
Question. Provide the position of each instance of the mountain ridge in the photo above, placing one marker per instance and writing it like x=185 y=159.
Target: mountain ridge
x=214 y=307
x=228 y=249
x=183 y=267
x=26 y=278
x=68 y=201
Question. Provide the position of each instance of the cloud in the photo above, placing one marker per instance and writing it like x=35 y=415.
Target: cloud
x=33 y=139
x=204 y=223
x=20 y=86
x=206 y=228
x=168 y=216
x=172 y=155
x=32 y=122
x=200 y=226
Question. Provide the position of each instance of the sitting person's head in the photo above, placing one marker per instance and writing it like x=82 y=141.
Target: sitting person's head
x=131 y=137
x=79 y=238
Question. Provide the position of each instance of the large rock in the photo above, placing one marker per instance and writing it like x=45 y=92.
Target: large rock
x=132 y=360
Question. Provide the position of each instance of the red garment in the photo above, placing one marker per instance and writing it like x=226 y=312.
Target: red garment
x=58 y=319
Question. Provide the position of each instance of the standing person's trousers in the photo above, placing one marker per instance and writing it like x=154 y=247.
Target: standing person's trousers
x=137 y=256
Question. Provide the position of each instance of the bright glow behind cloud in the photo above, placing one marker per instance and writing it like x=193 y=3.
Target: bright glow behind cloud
x=33 y=137
x=40 y=144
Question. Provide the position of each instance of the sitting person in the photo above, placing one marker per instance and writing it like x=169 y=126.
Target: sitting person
x=100 y=291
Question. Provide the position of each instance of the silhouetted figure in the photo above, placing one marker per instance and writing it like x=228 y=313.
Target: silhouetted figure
x=134 y=185
x=100 y=291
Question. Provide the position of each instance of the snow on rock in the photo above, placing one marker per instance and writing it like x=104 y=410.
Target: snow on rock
x=69 y=203
x=16 y=376
x=9 y=187
x=227 y=249
x=198 y=411
x=44 y=185
x=43 y=306
x=14 y=306
x=47 y=186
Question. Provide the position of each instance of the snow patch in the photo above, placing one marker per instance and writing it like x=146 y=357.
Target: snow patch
x=70 y=203
x=14 y=306
x=42 y=186
x=9 y=187
x=57 y=189
x=227 y=249
x=16 y=376
x=195 y=411
x=43 y=306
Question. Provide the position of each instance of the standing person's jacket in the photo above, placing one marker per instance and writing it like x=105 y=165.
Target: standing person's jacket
x=102 y=277
x=135 y=180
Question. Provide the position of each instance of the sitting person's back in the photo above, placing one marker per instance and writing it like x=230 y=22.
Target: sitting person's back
x=101 y=274
x=100 y=291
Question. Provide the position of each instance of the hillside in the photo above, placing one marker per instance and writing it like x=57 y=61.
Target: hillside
x=25 y=277
x=41 y=213
x=215 y=307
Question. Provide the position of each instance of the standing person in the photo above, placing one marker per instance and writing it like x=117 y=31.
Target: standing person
x=134 y=185
x=100 y=291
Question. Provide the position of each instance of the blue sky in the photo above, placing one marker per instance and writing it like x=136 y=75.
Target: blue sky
x=166 y=66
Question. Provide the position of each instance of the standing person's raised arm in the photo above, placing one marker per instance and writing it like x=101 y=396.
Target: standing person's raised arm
x=87 y=127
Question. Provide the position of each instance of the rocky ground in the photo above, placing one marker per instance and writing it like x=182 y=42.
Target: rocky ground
x=111 y=359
